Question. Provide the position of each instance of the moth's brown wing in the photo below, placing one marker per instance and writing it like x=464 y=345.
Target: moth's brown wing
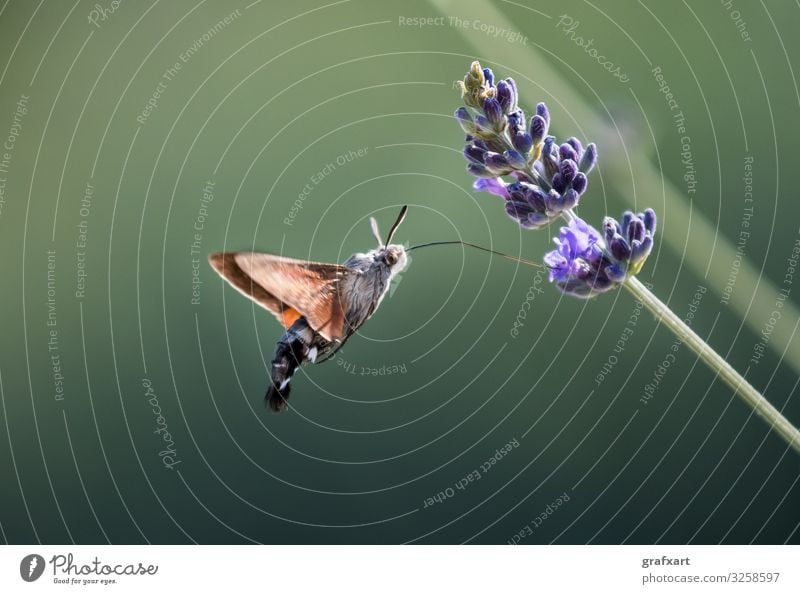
x=289 y=288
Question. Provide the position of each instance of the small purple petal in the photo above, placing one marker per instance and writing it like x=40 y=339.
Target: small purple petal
x=492 y=185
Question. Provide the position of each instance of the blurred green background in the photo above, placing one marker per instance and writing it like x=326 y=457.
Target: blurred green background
x=271 y=98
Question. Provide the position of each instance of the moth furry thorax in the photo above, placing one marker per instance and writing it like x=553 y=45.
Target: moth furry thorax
x=391 y=259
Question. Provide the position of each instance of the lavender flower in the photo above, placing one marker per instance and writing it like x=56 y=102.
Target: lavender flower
x=583 y=267
x=501 y=143
x=545 y=181
x=548 y=181
x=579 y=266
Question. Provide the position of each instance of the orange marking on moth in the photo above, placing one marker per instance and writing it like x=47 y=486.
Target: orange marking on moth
x=289 y=316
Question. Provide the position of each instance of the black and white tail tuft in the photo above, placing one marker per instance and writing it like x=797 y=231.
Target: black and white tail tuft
x=289 y=354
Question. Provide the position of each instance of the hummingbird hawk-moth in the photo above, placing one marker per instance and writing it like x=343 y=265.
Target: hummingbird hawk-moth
x=319 y=305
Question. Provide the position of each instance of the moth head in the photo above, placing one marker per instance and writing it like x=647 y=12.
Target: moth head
x=391 y=255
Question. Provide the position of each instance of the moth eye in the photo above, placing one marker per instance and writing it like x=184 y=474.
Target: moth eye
x=391 y=259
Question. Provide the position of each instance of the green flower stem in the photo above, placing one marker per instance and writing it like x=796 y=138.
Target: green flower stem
x=738 y=383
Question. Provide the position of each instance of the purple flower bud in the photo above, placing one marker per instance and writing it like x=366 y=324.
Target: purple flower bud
x=541 y=109
x=579 y=183
x=619 y=248
x=615 y=272
x=522 y=141
x=528 y=193
x=610 y=228
x=517 y=190
x=568 y=169
x=493 y=111
x=465 y=120
x=497 y=164
x=538 y=198
x=641 y=249
x=483 y=126
x=589 y=158
x=504 y=96
x=636 y=231
x=538 y=129
x=518 y=209
x=489 y=76
x=576 y=144
x=514 y=93
x=552 y=201
x=533 y=221
x=479 y=170
x=566 y=151
x=474 y=153
x=515 y=159
x=627 y=217
x=548 y=159
x=569 y=199
x=516 y=121
x=649 y=218
x=558 y=183
x=600 y=282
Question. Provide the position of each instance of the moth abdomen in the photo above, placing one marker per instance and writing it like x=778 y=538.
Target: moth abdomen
x=298 y=345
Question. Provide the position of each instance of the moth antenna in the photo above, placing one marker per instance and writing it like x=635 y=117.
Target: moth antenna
x=399 y=220
x=374 y=224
